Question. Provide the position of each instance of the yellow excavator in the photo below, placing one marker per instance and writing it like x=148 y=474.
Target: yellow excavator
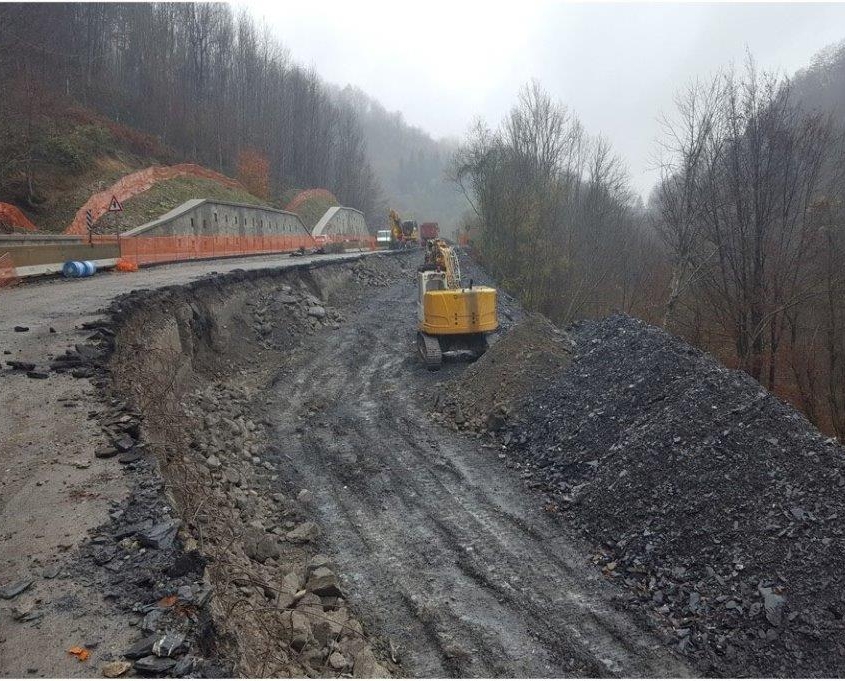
x=404 y=233
x=452 y=317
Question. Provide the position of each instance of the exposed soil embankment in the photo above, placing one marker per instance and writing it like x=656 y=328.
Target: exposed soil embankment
x=717 y=505
x=194 y=361
x=525 y=360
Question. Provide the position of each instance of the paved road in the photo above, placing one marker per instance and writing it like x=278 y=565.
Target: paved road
x=444 y=550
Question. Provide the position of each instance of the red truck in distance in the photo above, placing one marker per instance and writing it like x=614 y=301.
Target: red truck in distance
x=428 y=231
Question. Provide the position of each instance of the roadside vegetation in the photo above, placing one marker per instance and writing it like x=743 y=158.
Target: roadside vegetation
x=741 y=248
x=192 y=77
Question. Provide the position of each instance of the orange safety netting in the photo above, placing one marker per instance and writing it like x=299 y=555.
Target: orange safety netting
x=8 y=274
x=138 y=182
x=308 y=194
x=125 y=265
x=11 y=216
x=140 y=250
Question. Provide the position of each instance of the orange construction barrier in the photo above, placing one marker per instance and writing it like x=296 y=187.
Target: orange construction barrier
x=8 y=274
x=11 y=217
x=136 y=183
x=146 y=250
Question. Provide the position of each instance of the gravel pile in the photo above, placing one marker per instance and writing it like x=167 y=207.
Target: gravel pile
x=525 y=359
x=720 y=507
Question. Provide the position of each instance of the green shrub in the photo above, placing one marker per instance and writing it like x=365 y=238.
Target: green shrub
x=75 y=149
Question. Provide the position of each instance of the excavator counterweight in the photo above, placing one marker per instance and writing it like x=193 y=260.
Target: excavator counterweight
x=451 y=316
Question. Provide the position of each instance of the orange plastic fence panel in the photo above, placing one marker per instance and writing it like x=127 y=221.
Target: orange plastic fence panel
x=8 y=273
x=149 y=250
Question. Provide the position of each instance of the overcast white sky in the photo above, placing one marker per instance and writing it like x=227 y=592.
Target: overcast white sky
x=443 y=63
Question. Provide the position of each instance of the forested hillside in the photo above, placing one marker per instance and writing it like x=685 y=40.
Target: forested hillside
x=413 y=169
x=741 y=249
x=822 y=84
x=205 y=84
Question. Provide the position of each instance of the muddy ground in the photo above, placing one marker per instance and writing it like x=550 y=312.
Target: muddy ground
x=55 y=491
x=294 y=509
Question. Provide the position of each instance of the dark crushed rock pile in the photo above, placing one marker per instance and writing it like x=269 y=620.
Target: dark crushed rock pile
x=527 y=357
x=720 y=507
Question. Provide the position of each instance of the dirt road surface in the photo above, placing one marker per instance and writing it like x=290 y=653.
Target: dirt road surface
x=53 y=490
x=446 y=553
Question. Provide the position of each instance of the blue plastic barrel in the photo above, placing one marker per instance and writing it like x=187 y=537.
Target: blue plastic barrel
x=77 y=268
x=72 y=268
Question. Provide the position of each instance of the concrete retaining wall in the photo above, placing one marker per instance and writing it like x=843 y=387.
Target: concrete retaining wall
x=30 y=250
x=204 y=217
x=342 y=220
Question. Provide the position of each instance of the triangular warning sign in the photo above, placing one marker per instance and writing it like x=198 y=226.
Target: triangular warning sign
x=115 y=206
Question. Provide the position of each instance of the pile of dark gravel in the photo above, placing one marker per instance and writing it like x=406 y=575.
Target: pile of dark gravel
x=719 y=506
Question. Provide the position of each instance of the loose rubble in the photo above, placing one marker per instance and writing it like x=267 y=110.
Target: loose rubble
x=717 y=506
x=242 y=587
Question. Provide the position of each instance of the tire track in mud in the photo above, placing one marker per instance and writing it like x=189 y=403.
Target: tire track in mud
x=444 y=550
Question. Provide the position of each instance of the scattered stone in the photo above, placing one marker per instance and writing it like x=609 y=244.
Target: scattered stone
x=105 y=452
x=232 y=475
x=21 y=366
x=51 y=572
x=160 y=536
x=154 y=665
x=13 y=589
x=26 y=612
x=305 y=497
x=317 y=561
x=38 y=374
x=773 y=604
x=260 y=545
x=338 y=661
x=185 y=666
x=169 y=645
x=367 y=667
x=125 y=442
x=213 y=462
x=317 y=311
x=142 y=648
x=21 y=329
x=131 y=456
x=299 y=628
x=114 y=669
x=304 y=533
x=151 y=620
x=323 y=582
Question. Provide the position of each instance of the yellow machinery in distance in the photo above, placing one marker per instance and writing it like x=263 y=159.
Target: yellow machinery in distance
x=404 y=233
x=451 y=317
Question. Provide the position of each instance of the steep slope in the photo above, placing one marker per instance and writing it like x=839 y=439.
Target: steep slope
x=716 y=504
